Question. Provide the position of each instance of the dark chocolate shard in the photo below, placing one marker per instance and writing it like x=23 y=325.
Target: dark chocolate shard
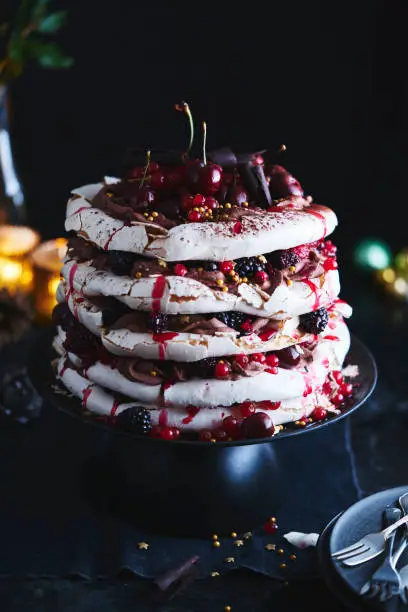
x=263 y=185
x=224 y=157
x=176 y=579
x=249 y=180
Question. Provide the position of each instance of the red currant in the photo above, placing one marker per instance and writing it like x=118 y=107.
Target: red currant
x=272 y=360
x=246 y=326
x=258 y=357
x=261 y=277
x=222 y=369
x=346 y=389
x=242 y=360
x=167 y=433
x=199 y=200
x=237 y=229
x=338 y=376
x=337 y=399
x=176 y=432
x=194 y=216
x=268 y=405
x=211 y=203
x=180 y=270
x=270 y=527
x=273 y=370
x=330 y=264
x=319 y=414
x=226 y=266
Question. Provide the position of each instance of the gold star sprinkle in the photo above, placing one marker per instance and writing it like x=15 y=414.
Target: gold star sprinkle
x=143 y=546
x=229 y=560
x=214 y=574
x=239 y=543
x=247 y=535
x=270 y=547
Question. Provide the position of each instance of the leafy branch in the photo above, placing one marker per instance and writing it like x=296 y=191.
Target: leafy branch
x=28 y=38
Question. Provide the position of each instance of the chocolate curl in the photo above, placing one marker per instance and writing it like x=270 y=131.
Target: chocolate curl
x=176 y=579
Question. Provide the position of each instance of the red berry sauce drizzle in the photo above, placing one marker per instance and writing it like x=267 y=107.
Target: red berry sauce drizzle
x=313 y=288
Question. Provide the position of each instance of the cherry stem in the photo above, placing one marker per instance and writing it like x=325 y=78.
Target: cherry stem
x=148 y=153
x=204 y=142
x=184 y=108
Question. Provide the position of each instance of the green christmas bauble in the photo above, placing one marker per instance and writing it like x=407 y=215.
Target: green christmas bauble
x=372 y=254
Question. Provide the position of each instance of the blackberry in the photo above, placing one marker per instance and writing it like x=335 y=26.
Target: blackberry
x=62 y=316
x=121 y=262
x=248 y=266
x=210 y=266
x=135 y=419
x=113 y=311
x=282 y=259
x=80 y=341
x=156 y=322
x=314 y=322
x=205 y=368
x=233 y=319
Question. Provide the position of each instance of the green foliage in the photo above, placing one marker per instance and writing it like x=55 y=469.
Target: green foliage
x=28 y=38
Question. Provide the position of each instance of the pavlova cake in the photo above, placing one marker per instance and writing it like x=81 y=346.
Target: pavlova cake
x=200 y=297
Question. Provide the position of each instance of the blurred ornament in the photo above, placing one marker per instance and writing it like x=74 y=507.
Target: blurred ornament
x=47 y=260
x=16 y=316
x=373 y=254
x=401 y=261
x=19 y=401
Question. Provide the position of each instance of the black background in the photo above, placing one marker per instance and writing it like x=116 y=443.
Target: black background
x=327 y=79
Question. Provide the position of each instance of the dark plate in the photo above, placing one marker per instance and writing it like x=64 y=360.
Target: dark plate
x=361 y=518
x=43 y=379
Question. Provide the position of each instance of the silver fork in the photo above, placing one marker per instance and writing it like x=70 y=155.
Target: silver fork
x=368 y=547
x=385 y=582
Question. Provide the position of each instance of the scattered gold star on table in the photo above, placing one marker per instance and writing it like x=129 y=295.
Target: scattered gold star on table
x=239 y=543
x=229 y=560
x=215 y=574
x=270 y=547
x=247 y=535
x=143 y=545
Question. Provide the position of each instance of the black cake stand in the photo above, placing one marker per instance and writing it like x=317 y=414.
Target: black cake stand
x=188 y=487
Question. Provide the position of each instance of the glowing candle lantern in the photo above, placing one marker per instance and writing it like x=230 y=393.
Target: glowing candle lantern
x=47 y=262
x=16 y=244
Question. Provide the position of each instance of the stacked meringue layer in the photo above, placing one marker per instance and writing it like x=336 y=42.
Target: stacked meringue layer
x=195 y=329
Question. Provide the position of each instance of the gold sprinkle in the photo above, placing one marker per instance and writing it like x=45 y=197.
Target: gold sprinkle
x=153 y=373
x=288 y=282
x=215 y=537
x=270 y=547
x=143 y=545
x=225 y=289
x=201 y=209
x=138 y=275
x=227 y=609
x=228 y=205
x=196 y=209
x=220 y=282
x=213 y=440
x=216 y=544
x=214 y=574
x=162 y=263
x=146 y=214
x=296 y=422
x=283 y=566
x=155 y=214
x=262 y=258
x=233 y=534
x=244 y=279
x=150 y=218
x=280 y=551
x=247 y=535
x=310 y=420
x=238 y=543
x=232 y=273
x=221 y=206
x=292 y=557
x=185 y=318
x=245 y=204
x=200 y=269
x=229 y=559
x=272 y=519
x=109 y=194
x=292 y=268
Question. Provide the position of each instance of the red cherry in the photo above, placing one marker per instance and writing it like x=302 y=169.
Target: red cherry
x=338 y=376
x=289 y=356
x=319 y=414
x=230 y=424
x=187 y=202
x=282 y=184
x=272 y=360
x=167 y=433
x=258 y=425
x=261 y=277
x=158 y=180
x=337 y=399
x=270 y=527
x=237 y=195
x=222 y=369
x=139 y=171
x=346 y=389
x=247 y=409
x=219 y=434
x=226 y=266
x=210 y=177
x=211 y=203
x=205 y=435
x=180 y=270
x=258 y=357
x=199 y=200
x=241 y=360
x=194 y=216
x=173 y=179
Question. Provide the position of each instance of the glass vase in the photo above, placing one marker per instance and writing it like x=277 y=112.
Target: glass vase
x=12 y=201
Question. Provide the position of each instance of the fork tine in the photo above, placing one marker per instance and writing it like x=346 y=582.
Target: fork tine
x=360 y=552
x=361 y=558
x=347 y=549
